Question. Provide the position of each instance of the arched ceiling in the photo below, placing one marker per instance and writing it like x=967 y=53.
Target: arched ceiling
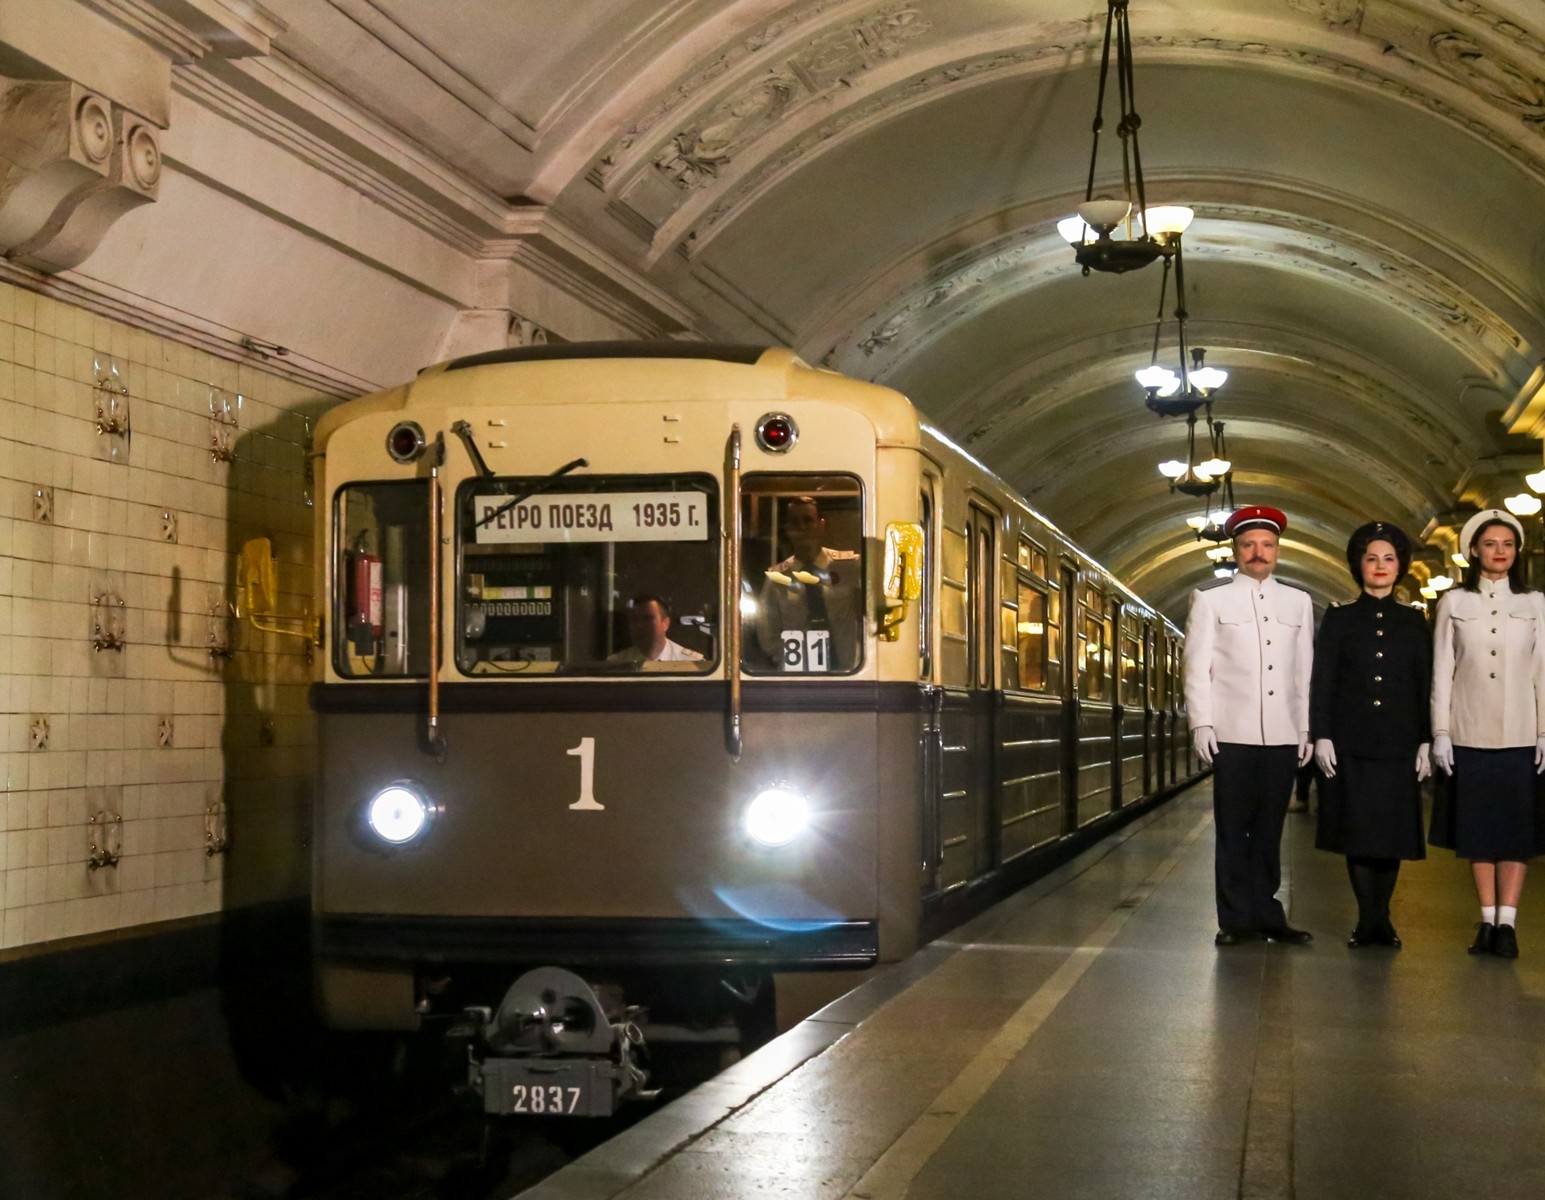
x=877 y=184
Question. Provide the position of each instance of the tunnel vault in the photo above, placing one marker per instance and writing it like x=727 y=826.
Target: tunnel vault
x=370 y=185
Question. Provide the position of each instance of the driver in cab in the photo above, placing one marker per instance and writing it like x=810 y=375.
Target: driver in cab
x=649 y=619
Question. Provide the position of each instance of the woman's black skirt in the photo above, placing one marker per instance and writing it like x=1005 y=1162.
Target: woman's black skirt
x=1488 y=811
x=1372 y=808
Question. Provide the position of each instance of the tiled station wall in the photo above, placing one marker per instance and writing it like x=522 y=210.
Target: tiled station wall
x=189 y=742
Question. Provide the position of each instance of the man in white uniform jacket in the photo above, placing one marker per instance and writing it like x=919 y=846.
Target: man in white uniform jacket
x=1249 y=654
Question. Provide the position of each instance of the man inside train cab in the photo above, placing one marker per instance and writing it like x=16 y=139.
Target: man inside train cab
x=1249 y=651
x=809 y=613
x=649 y=618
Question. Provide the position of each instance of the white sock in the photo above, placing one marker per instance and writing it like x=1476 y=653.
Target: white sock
x=1489 y=914
x=1507 y=916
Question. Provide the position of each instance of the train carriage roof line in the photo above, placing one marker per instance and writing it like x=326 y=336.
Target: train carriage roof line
x=1084 y=556
x=744 y=355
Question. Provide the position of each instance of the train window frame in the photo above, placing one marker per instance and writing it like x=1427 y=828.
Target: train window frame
x=612 y=666
x=1094 y=613
x=339 y=583
x=749 y=638
x=1031 y=557
x=1029 y=585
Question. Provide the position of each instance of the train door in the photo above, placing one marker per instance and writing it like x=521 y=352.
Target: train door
x=1068 y=642
x=985 y=653
x=1151 y=738
x=1097 y=759
x=931 y=808
x=1134 y=707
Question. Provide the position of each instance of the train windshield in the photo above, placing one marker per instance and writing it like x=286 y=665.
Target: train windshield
x=606 y=575
x=382 y=535
x=802 y=585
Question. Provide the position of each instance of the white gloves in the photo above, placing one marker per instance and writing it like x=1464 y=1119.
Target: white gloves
x=1539 y=756
x=1205 y=742
x=1423 y=761
x=1306 y=751
x=1325 y=757
x=1443 y=753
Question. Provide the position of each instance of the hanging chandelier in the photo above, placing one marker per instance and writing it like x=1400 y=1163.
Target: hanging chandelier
x=1204 y=477
x=1118 y=234
x=1178 y=393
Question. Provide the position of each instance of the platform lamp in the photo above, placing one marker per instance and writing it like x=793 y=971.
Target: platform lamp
x=1119 y=234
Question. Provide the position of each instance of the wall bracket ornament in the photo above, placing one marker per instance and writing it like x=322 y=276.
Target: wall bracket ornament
x=74 y=163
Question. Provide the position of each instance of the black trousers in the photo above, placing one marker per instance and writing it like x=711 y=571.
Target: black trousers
x=1250 y=790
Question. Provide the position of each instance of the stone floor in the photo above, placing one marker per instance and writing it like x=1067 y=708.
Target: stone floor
x=1085 y=1039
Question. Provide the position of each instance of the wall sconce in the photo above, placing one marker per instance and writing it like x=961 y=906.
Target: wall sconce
x=221 y=615
x=216 y=830
x=164 y=733
x=224 y=424
x=105 y=836
x=107 y=623
x=38 y=733
x=43 y=505
x=112 y=403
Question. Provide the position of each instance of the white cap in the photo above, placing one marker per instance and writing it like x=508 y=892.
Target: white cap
x=1485 y=517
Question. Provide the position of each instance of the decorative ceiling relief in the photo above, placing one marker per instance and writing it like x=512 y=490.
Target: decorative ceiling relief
x=692 y=158
x=1466 y=61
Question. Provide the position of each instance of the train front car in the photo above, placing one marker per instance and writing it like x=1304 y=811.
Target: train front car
x=598 y=723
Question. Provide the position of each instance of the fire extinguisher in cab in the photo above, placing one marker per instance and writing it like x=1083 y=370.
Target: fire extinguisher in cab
x=366 y=609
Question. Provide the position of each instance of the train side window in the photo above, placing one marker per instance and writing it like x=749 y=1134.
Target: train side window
x=1054 y=663
x=1092 y=647
x=603 y=575
x=381 y=617
x=1033 y=636
x=1032 y=558
x=1131 y=670
x=802 y=585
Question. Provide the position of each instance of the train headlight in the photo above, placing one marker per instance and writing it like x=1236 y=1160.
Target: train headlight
x=400 y=813
x=776 y=816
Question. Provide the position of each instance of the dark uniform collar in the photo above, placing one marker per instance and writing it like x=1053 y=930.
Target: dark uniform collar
x=1388 y=601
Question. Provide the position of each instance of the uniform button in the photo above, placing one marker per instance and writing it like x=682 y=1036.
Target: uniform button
x=1378 y=679
x=1494 y=631
x=1269 y=667
x=1493 y=613
x=1378 y=633
x=1378 y=654
x=1493 y=674
x=1377 y=703
x=1379 y=615
x=1494 y=654
x=1265 y=618
x=1269 y=692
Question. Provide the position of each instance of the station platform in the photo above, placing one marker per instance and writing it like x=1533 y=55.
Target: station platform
x=1086 y=1039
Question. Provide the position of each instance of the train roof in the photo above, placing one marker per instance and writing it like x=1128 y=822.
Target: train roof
x=594 y=372
x=1084 y=556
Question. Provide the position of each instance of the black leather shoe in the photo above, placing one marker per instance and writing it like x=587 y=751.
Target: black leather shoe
x=1505 y=942
x=1485 y=939
x=1386 y=936
x=1288 y=936
x=1234 y=937
x=1360 y=938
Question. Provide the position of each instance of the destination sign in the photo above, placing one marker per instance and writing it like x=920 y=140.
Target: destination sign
x=593 y=517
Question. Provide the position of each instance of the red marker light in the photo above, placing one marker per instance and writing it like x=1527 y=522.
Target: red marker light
x=405 y=443
x=776 y=433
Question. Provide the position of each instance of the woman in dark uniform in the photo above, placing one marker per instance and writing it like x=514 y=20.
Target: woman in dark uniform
x=1368 y=716
x=1488 y=721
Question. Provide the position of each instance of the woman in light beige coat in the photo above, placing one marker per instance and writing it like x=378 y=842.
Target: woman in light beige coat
x=1488 y=720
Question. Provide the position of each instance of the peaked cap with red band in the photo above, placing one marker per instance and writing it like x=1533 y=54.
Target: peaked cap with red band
x=1255 y=516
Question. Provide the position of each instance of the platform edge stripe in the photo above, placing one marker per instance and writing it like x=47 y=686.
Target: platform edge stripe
x=893 y=1172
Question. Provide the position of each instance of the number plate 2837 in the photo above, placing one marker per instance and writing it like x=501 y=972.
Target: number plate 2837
x=547 y=1087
